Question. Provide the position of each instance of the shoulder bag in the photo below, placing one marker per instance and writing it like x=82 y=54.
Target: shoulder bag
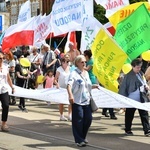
x=93 y=105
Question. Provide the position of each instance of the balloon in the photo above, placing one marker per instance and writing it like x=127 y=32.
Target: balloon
x=146 y=55
x=40 y=79
x=25 y=62
x=126 y=68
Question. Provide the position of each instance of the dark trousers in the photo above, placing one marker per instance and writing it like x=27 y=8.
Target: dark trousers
x=81 y=121
x=111 y=111
x=22 y=102
x=22 y=99
x=4 y=98
x=129 y=115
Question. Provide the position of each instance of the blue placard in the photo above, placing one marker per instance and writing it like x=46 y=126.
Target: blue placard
x=1 y=23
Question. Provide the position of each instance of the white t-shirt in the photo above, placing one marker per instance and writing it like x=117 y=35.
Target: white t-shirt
x=63 y=77
x=3 y=79
x=34 y=58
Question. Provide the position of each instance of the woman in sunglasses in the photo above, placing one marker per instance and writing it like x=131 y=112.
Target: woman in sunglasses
x=61 y=78
x=79 y=89
x=4 y=97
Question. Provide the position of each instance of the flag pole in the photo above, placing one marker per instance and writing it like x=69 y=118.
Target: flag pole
x=61 y=41
x=50 y=40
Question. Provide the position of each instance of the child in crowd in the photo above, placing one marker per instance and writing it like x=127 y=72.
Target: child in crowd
x=49 y=80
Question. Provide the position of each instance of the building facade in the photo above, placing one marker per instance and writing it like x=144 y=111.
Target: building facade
x=47 y=6
x=9 y=10
x=15 y=6
x=4 y=17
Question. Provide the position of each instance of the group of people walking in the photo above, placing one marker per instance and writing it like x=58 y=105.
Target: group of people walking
x=73 y=72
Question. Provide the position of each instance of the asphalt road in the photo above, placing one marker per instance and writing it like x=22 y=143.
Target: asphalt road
x=41 y=129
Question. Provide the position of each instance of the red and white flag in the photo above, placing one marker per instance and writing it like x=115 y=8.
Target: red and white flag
x=71 y=38
x=110 y=28
x=19 y=34
x=33 y=31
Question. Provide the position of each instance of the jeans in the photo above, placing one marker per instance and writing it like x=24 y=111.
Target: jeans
x=81 y=121
x=4 y=98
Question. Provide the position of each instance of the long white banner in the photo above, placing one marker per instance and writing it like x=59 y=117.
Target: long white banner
x=104 y=98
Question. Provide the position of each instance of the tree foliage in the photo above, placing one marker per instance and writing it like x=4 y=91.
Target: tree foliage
x=99 y=11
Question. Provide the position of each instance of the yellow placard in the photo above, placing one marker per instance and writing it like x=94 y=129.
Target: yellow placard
x=108 y=60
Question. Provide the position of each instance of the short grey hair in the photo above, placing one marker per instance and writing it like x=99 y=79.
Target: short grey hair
x=46 y=45
x=78 y=59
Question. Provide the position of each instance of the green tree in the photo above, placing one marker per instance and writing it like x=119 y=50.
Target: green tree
x=99 y=11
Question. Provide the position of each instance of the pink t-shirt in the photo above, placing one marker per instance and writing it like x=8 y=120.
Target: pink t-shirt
x=49 y=82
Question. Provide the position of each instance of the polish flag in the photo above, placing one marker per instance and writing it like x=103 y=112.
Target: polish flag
x=71 y=38
x=110 y=28
x=19 y=34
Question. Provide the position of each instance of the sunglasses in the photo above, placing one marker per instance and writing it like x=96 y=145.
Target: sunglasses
x=83 y=62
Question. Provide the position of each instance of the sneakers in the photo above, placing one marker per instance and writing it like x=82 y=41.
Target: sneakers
x=113 y=117
x=48 y=103
x=105 y=114
x=128 y=132
x=70 y=117
x=147 y=133
x=20 y=107
x=5 y=128
x=82 y=144
x=86 y=141
x=24 y=109
x=62 y=118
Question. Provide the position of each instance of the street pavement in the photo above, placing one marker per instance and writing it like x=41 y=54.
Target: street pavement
x=41 y=129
